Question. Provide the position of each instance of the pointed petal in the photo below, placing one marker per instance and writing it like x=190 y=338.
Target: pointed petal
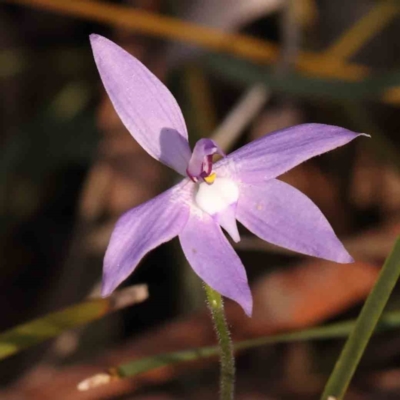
x=227 y=220
x=144 y=104
x=140 y=230
x=280 y=214
x=214 y=260
x=277 y=152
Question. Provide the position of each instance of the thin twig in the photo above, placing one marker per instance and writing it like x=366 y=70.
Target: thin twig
x=363 y=30
x=245 y=46
x=240 y=116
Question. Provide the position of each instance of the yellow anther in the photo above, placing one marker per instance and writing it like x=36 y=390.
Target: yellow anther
x=210 y=178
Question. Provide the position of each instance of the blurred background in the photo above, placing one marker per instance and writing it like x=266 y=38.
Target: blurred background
x=239 y=70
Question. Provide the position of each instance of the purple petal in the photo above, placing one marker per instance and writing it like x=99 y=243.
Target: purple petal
x=280 y=214
x=214 y=260
x=140 y=230
x=200 y=164
x=277 y=152
x=144 y=104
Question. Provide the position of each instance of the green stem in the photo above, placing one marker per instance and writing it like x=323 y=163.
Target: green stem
x=227 y=359
x=365 y=325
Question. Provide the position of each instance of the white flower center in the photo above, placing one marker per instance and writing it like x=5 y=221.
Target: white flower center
x=218 y=196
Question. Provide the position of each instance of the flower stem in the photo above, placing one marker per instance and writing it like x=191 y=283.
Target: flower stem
x=227 y=359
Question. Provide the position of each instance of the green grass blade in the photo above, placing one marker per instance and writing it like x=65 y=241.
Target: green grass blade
x=364 y=327
x=54 y=324
x=243 y=73
x=389 y=320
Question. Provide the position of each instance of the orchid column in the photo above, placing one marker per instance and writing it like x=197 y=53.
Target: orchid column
x=211 y=197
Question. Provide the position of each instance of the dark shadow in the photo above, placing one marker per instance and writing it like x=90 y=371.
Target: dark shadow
x=175 y=149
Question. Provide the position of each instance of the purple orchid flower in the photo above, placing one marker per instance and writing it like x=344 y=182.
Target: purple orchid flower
x=241 y=186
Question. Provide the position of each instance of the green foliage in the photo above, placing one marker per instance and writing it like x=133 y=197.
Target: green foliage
x=50 y=326
x=364 y=327
x=389 y=320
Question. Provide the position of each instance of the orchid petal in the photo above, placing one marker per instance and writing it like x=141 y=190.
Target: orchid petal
x=277 y=152
x=146 y=107
x=214 y=260
x=226 y=219
x=201 y=160
x=282 y=215
x=140 y=230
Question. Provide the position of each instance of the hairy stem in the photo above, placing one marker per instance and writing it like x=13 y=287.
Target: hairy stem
x=227 y=359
